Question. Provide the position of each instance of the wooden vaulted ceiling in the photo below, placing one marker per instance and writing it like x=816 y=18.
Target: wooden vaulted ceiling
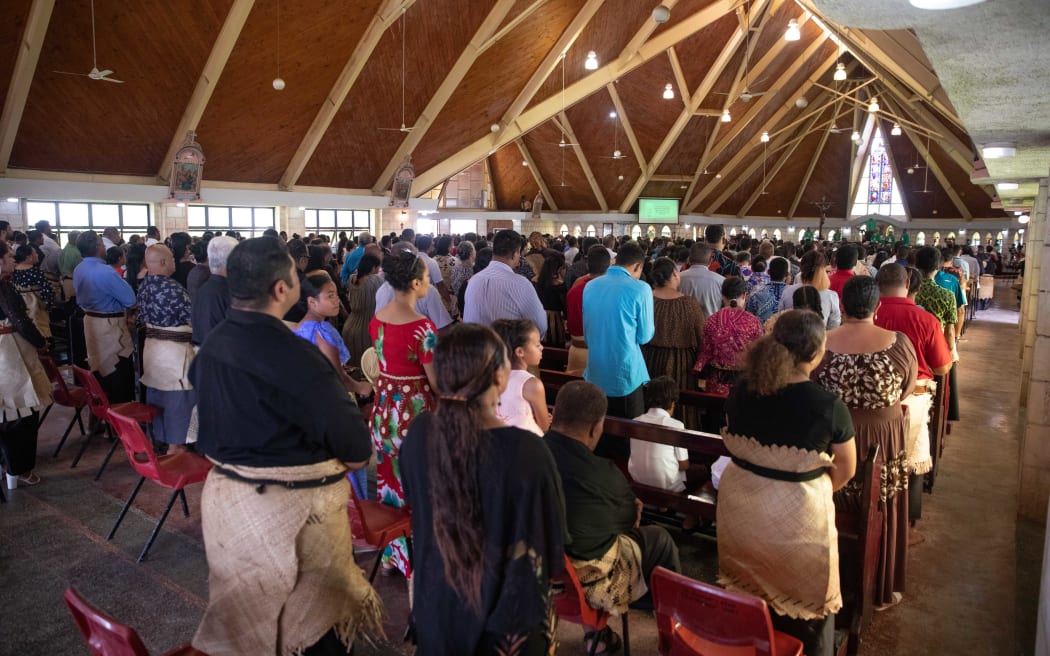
x=486 y=80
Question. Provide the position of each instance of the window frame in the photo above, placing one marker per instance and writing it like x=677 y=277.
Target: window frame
x=353 y=229
x=56 y=221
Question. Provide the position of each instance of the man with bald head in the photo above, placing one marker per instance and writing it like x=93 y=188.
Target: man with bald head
x=164 y=309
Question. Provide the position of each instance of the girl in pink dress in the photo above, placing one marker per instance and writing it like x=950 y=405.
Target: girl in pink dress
x=404 y=342
x=524 y=402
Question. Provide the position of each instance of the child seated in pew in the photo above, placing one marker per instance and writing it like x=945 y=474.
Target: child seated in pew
x=524 y=402
x=662 y=465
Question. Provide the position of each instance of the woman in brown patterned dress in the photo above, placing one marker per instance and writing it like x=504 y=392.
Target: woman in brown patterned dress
x=679 y=323
x=872 y=369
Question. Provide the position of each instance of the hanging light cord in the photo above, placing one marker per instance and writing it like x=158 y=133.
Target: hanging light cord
x=278 y=38
x=404 y=30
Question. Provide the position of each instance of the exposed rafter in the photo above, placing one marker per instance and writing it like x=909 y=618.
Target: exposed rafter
x=636 y=148
x=859 y=152
x=536 y=174
x=813 y=162
x=544 y=110
x=781 y=82
x=754 y=164
x=448 y=86
x=563 y=122
x=22 y=78
x=381 y=22
x=938 y=173
x=644 y=32
x=511 y=25
x=208 y=80
x=551 y=60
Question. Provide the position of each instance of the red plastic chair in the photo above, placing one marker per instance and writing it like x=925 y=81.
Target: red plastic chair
x=63 y=395
x=99 y=403
x=696 y=619
x=571 y=606
x=380 y=525
x=174 y=471
x=107 y=637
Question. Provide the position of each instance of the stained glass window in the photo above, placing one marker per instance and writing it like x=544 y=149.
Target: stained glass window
x=879 y=194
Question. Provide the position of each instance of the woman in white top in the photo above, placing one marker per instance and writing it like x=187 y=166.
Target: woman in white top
x=524 y=402
x=813 y=271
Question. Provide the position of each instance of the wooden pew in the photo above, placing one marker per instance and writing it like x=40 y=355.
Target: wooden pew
x=938 y=429
x=859 y=523
x=554 y=359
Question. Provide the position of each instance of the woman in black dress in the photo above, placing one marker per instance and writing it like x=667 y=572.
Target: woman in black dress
x=487 y=519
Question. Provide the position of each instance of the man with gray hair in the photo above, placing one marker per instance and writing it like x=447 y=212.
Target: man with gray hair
x=353 y=258
x=700 y=282
x=213 y=297
x=430 y=306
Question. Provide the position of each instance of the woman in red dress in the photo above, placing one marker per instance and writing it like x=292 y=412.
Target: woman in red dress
x=404 y=342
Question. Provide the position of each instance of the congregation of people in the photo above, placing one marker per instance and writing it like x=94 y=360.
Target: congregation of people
x=406 y=370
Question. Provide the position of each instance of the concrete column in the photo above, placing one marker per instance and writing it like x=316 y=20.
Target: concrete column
x=13 y=213
x=171 y=218
x=1035 y=365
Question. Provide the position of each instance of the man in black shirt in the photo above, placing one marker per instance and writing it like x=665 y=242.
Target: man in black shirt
x=601 y=511
x=283 y=432
x=213 y=298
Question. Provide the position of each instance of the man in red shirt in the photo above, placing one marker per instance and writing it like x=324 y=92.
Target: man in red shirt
x=845 y=261
x=898 y=312
x=598 y=261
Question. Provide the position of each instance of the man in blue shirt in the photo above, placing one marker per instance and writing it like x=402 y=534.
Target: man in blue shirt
x=104 y=295
x=617 y=320
x=353 y=258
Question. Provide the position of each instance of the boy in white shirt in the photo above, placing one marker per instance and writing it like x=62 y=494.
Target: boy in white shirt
x=659 y=465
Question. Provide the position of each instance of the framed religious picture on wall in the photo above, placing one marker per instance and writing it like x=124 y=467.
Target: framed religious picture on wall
x=401 y=191
x=607 y=229
x=187 y=170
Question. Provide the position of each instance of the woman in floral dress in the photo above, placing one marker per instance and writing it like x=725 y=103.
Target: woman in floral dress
x=404 y=341
x=727 y=334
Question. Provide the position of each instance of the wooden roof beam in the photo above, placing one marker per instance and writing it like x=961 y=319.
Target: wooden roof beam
x=754 y=164
x=511 y=25
x=387 y=15
x=563 y=122
x=645 y=31
x=813 y=162
x=546 y=109
x=448 y=86
x=782 y=159
x=636 y=148
x=859 y=153
x=938 y=172
x=536 y=174
x=208 y=80
x=724 y=143
x=551 y=60
x=29 y=48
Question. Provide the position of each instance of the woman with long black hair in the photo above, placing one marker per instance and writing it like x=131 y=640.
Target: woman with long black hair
x=487 y=519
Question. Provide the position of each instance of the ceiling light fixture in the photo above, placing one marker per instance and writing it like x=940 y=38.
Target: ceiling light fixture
x=764 y=138
x=661 y=14
x=668 y=91
x=524 y=163
x=998 y=151
x=896 y=131
x=1024 y=218
x=278 y=82
x=873 y=106
x=725 y=116
x=792 y=33
x=612 y=114
x=855 y=136
x=592 y=61
x=1016 y=212
x=180 y=204
x=12 y=199
x=1007 y=186
x=840 y=72
x=938 y=5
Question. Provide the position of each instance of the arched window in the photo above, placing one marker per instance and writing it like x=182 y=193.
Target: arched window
x=920 y=239
x=936 y=239
x=564 y=230
x=666 y=232
x=1001 y=239
x=777 y=234
x=975 y=239
x=951 y=235
x=732 y=231
x=576 y=231
x=834 y=235
x=636 y=232
x=751 y=233
x=591 y=232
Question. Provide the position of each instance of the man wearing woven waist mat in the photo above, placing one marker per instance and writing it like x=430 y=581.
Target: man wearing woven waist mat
x=164 y=308
x=104 y=297
x=282 y=433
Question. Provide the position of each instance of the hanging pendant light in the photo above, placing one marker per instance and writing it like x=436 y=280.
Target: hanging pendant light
x=840 y=72
x=896 y=131
x=765 y=137
x=668 y=91
x=873 y=106
x=592 y=61
x=278 y=82
x=725 y=116
x=855 y=136
x=792 y=33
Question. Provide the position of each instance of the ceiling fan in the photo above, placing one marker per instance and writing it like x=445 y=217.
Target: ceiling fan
x=617 y=154
x=403 y=128
x=94 y=74
x=563 y=143
x=747 y=95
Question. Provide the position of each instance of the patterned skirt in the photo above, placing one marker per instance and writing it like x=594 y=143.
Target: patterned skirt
x=399 y=400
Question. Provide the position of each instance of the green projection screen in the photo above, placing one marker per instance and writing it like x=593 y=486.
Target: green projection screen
x=657 y=210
